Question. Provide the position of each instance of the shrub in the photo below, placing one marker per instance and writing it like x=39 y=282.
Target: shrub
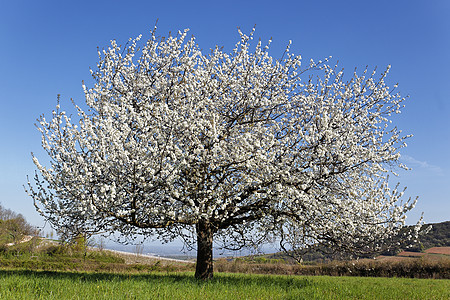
x=413 y=268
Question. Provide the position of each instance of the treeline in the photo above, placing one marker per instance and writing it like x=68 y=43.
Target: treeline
x=414 y=268
x=13 y=226
x=437 y=236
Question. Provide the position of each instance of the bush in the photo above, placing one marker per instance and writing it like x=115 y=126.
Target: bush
x=13 y=227
x=54 y=250
x=105 y=257
x=413 y=268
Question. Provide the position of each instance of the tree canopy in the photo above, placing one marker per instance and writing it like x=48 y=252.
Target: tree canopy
x=13 y=226
x=240 y=148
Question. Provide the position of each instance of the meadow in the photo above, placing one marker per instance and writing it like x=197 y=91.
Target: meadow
x=26 y=284
x=43 y=269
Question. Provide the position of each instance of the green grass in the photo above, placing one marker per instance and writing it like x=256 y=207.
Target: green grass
x=23 y=284
x=63 y=272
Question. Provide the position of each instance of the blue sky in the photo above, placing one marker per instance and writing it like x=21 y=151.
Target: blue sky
x=47 y=48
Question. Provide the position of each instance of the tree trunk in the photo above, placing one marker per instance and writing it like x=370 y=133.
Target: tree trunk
x=204 y=267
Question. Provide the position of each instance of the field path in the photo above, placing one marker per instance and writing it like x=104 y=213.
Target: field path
x=439 y=250
x=25 y=239
x=143 y=258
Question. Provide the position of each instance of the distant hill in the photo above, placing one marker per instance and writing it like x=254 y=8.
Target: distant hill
x=438 y=236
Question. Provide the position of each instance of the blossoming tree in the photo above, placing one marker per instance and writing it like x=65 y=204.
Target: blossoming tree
x=237 y=147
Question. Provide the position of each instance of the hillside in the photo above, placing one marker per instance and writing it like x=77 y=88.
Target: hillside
x=438 y=236
x=13 y=226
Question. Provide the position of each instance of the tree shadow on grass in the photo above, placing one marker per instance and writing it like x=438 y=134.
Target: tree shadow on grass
x=284 y=282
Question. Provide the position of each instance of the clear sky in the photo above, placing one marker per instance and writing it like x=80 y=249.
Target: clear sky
x=47 y=47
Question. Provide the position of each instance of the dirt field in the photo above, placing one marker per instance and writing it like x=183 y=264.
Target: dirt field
x=432 y=254
x=411 y=254
x=439 y=250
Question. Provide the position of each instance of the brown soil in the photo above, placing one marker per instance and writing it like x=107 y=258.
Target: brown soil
x=411 y=254
x=439 y=250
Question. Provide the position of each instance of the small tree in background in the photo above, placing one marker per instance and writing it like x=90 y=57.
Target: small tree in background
x=239 y=148
x=13 y=226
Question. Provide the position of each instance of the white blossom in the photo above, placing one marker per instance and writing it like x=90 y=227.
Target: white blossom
x=170 y=138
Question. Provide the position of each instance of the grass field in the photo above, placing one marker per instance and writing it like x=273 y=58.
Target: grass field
x=23 y=284
x=32 y=270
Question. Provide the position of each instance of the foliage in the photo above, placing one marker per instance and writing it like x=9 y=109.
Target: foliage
x=430 y=235
x=437 y=267
x=64 y=257
x=239 y=147
x=13 y=227
x=438 y=236
x=92 y=262
x=38 y=254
